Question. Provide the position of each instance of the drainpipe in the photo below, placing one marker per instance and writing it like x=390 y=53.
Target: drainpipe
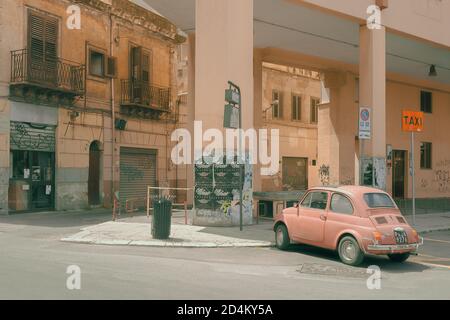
x=113 y=114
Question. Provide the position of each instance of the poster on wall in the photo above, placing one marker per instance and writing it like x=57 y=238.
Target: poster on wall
x=217 y=194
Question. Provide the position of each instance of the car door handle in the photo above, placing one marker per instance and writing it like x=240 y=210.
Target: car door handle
x=323 y=217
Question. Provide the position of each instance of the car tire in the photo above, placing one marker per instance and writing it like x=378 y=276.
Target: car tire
x=399 y=258
x=349 y=251
x=282 y=240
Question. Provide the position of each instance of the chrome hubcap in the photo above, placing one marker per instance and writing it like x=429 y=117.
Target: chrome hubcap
x=348 y=250
x=280 y=237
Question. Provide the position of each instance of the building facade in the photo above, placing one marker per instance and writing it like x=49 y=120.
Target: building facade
x=86 y=113
x=290 y=103
x=388 y=56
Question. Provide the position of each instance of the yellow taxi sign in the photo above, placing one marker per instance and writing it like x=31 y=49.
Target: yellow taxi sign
x=412 y=121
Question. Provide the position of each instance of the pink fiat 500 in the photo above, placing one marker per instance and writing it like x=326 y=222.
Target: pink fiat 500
x=353 y=220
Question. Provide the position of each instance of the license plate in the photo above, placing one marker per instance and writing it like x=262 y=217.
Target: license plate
x=401 y=237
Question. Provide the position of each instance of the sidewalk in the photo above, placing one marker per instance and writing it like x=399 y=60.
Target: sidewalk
x=426 y=223
x=136 y=231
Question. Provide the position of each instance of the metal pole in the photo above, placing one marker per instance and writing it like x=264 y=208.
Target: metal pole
x=241 y=196
x=413 y=173
x=361 y=163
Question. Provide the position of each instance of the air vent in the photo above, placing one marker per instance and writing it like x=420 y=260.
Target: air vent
x=381 y=220
x=401 y=220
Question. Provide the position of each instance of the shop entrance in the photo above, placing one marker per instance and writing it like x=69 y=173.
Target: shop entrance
x=32 y=182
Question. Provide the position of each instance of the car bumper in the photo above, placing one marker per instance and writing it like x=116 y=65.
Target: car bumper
x=377 y=248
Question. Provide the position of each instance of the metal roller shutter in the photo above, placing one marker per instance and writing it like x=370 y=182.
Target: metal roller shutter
x=32 y=137
x=137 y=172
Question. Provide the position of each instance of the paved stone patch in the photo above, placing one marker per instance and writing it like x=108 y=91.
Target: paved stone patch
x=337 y=271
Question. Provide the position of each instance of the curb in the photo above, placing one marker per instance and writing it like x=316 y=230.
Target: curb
x=170 y=244
x=434 y=230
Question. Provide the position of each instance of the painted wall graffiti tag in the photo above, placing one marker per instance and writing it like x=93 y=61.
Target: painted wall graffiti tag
x=442 y=178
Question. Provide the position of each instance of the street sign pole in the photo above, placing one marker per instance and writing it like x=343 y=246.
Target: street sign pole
x=413 y=173
x=413 y=121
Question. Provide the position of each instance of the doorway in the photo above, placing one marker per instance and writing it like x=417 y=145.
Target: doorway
x=295 y=174
x=32 y=181
x=94 y=174
x=398 y=174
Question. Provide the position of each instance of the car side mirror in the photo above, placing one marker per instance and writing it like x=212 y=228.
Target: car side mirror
x=296 y=205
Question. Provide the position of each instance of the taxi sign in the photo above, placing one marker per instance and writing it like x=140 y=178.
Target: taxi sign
x=412 y=121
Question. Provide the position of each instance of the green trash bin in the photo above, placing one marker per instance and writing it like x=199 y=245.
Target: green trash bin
x=162 y=218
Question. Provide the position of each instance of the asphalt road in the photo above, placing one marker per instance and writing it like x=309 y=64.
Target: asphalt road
x=33 y=265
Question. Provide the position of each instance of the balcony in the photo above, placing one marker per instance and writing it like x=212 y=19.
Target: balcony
x=144 y=100
x=47 y=81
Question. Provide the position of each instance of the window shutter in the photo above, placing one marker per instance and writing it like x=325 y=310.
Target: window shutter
x=36 y=27
x=43 y=47
x=136 y=57
x=111 y=67
x=146 y=67
x=51 y=38
x=280 y=94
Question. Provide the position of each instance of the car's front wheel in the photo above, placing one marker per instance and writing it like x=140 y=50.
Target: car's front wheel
x=350 y=252
x=400 y=257
x=282 y=240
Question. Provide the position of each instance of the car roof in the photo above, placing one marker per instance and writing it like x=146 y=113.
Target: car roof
x=349 y=190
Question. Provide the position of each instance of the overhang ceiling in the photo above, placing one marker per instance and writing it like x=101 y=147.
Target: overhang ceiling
x=288 y=26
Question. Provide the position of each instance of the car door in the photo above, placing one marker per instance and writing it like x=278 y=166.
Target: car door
x=311 y=217
x=340 y=217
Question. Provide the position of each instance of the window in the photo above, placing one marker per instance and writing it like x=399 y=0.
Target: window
x=378 y=200
x=20 y=168
x=140 y=60
x=315 y=110
x=316 y=200
x=425 y=155
x=426 y=101
x=341 y=204
x=96 y=63
x=101 y=65
x=42 y=35
x=277 y=107
x=296 y=108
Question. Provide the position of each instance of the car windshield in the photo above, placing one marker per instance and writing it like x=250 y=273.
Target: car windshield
x=378 y=200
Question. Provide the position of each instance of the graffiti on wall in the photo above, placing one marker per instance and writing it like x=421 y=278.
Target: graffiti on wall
x=217 y=192
x=442 y=178
x=324 y=175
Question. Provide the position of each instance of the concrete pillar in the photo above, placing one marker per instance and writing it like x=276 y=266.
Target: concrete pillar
x=372 y=88
x=223 y=52
x=191 y=110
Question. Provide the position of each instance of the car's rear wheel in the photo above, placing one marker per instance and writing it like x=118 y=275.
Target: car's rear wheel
x=282 y=240
x=350 y=252
x=399 y=258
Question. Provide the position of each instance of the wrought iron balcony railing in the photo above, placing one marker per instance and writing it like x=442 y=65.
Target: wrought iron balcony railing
x=144 y=94
x=48 y=73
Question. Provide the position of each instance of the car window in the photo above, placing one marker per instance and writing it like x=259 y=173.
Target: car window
x=341 y=204
x=378 y=200
x=316 y=200
x=306 y=203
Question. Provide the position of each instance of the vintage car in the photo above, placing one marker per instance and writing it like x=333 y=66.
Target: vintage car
x=355 y=221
